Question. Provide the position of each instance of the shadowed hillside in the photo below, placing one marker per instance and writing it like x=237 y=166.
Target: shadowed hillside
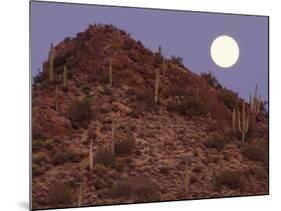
x=114 y=122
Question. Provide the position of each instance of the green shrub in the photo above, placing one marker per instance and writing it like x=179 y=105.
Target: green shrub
x=125 y=146
x=229 y=99
x=141 y=187
x=188 y=106
x=62 y=156
x=215 y=141
x=256 y=151
x=105 y=157
x=231 y=179
x=59 y=194
x=177 y=60
x=211 y=79
x=122 y=189
x=81 y=112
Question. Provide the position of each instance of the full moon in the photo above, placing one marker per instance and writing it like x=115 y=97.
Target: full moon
x=224 y=51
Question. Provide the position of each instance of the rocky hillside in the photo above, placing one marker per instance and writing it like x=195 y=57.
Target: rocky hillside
x=114 y=122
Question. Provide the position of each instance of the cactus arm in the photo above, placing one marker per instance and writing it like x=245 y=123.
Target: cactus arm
x=110 y=73
x=65 y=76
x=233 y=120
x=91 y=155
x=156 y=93
x=112 y=144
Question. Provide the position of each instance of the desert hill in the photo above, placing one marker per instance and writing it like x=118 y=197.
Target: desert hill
x=114 y=122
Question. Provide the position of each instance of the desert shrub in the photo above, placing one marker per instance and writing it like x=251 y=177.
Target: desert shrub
x=39 y=158
x=40 y=77
x=258 y=172
x=105 y=157
x=229 y=98
x=80 y=112
x=215 y=141
x=42 y=144
x=128 y=45
x=211 y=79
x=59 y=194
x=36 y=170
x=164 y=170
x=177 y=60
x=125 y=146
x=256 y=151
x=61 y=156
x=86 y=89
x=188 y=106
x=143 y=188
x=231 y=179
x=122 y=189
x=38 y=131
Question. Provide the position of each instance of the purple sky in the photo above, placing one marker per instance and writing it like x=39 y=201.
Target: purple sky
x=185 y=34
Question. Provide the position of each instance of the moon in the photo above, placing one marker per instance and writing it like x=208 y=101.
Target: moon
x=224 y=51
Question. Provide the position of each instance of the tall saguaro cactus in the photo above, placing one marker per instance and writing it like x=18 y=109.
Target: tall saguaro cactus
x=112 y=143
x=52 y=55
x=91 y=157
x=110 y=73
x=156 y=93
x=56 y=98
x=255 y=104
x=233 y=120
x=80 y=196
x=243 y=122
x=187 y=176
x=64 y=84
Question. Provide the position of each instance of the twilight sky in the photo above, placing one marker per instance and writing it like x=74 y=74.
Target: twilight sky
x=185 y=34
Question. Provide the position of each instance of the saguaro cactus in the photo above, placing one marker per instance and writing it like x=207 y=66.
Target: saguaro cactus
x=112 y=143
x=159 y=50
x=110 y=73
x=233 y=120
x=52 y=55
x=255 y=104
x=187 y=176
x=80 y=196
x=91 y=157
x=64 y=84
x=243 y=123
x=56 y=98
x=156 y=93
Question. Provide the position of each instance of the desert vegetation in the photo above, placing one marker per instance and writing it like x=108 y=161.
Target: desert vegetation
x=113 y=122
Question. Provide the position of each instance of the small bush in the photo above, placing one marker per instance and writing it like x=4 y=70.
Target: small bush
x=164 y=170
x=59 y=194
x=105 y=157
x=177 y=60
x=216 y=141
x=38 y=131
x=61 y=156
x=128 y=45
x=231 y=179
x=123 y=189
x=80 y=112
x=211 y=79
x=256 y=151
x=229 y=98
x=125 y=146
x=143 y=188
x=36 y=170
x=187 y=106
x=86 y=90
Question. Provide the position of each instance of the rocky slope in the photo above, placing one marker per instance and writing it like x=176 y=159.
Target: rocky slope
x=188 y=132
